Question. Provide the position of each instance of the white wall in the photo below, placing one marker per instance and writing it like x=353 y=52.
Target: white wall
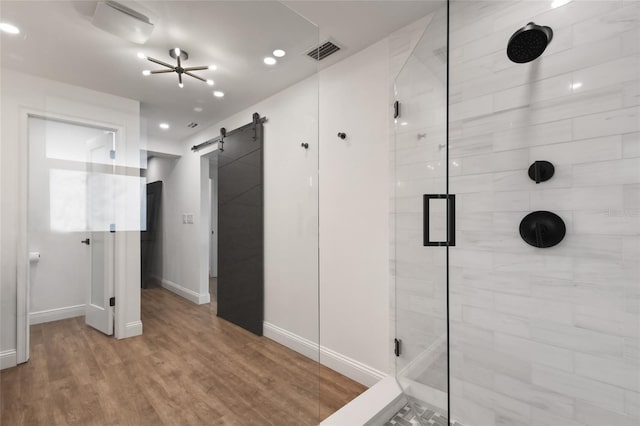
x=162 y=147
x=20 y=92
x=354 y=205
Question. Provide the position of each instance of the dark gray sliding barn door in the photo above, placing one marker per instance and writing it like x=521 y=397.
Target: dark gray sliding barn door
x=240 y=229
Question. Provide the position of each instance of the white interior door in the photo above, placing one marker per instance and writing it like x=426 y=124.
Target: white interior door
x=99 y=314
x=101 y=222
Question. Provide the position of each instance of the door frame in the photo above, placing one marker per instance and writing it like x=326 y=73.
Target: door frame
x=23 y=290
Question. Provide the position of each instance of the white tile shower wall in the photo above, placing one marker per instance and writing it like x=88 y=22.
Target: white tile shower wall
x=545 y=336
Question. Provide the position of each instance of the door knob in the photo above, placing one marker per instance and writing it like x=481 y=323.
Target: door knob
x=86 y=241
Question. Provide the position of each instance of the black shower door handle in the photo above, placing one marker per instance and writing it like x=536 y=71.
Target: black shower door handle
x=451 y=220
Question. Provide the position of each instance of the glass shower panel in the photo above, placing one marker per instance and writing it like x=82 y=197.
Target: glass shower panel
x=545 y=335
x=420 y=221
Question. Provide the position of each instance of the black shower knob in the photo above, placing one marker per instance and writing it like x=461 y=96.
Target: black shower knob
x=541 y=171
x=542 y=229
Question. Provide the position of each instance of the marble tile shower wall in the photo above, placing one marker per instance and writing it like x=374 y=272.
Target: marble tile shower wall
x=546 y=336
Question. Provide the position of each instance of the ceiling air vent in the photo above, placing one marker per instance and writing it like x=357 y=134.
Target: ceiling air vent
x=128 y=11
x=325 y=49
x=192 y=125
x=123 y=21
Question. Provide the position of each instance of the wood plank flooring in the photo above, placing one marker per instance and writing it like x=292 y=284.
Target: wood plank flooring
x=189 y=368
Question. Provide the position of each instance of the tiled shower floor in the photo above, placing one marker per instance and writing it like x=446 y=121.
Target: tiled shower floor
x=407 y=417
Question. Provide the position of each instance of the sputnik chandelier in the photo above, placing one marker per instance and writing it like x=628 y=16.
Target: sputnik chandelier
x=179 y=55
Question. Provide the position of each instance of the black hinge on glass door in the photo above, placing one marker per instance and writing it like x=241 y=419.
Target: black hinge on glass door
x=396 y=347
x=112 y=301
x=451 y=220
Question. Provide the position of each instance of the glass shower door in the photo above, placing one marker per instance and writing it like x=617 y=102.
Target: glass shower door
x=422 y=232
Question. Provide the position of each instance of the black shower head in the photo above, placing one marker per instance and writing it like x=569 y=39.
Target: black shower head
x=528 y=43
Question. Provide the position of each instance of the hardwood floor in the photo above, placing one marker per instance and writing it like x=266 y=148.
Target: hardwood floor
x=189 y=368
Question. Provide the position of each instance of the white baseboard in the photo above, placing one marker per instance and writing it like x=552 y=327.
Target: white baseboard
x=8 y=359
x=49 y=315
x=297 y=343
x=349 y=367
x=190 y=295
x=133 y=329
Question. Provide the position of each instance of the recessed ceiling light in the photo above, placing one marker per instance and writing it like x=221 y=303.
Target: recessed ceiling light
x=558 y=3
x=210 y=82
x=576 y=86
x=404 y=123
x=146 y=72
x=164 y=126
x=279 y=53
x=198 y=109
x=218 y=94
x=213 y=67
x=8 y=28
x=270 y=61
x=142 y=55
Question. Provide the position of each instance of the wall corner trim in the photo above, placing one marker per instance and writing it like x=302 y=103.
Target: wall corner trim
x=350 y=367
x=133 y=329
x=204 y=298
x=8 y=359
x=190 y=295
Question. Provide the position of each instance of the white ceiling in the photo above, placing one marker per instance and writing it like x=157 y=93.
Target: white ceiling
x=58 y=42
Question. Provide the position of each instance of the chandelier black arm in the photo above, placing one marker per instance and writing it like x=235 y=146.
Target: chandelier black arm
x=180 y=78
x=164 y=64
x=195 y=76
x=197 y=68
x=161 y=71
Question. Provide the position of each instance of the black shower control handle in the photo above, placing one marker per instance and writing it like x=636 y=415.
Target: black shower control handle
x=542 y=229
x=541 y=171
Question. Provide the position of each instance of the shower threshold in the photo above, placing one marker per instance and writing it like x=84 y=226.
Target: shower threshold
x=419 y=416
x=385 y=404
